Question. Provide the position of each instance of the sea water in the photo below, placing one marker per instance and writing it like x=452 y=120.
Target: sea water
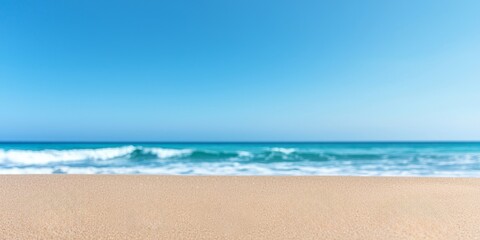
x=455 y=159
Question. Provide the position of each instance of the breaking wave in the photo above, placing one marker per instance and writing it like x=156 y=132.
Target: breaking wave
x=244 y=160
x=50 y=155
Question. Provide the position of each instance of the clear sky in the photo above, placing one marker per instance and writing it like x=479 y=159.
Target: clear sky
x=239 y=70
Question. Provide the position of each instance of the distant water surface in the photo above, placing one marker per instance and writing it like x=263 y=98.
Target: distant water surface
x=355 y=159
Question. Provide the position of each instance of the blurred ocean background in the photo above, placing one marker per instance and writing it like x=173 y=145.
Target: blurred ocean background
x=450 y=159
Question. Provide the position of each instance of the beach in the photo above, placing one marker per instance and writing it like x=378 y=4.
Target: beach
x=246 y=207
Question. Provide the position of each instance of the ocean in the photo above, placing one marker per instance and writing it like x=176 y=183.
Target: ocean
x=454 y=159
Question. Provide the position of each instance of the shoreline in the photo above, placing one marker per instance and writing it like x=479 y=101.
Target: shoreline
x=238 y=207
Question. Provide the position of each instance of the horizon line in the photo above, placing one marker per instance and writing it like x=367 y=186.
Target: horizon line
x=240 y=142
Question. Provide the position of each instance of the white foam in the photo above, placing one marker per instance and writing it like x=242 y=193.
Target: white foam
x=168 y=153
x=283 y=150
x=244 y=154
x=50 y=155
x=232 y=168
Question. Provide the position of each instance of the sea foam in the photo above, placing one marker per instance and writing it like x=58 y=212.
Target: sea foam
x=244 y=159
x=49 y=155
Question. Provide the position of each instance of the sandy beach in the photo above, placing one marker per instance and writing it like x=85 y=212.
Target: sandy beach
x=181 y=207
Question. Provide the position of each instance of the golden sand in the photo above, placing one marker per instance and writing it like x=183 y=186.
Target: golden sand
x=181 y=207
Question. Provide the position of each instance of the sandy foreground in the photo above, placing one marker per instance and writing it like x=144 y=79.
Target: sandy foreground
x=179 y=207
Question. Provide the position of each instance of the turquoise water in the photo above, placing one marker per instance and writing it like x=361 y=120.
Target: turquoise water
x=356 y=159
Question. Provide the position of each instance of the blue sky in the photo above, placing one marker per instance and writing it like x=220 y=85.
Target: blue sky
x=239 y=70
